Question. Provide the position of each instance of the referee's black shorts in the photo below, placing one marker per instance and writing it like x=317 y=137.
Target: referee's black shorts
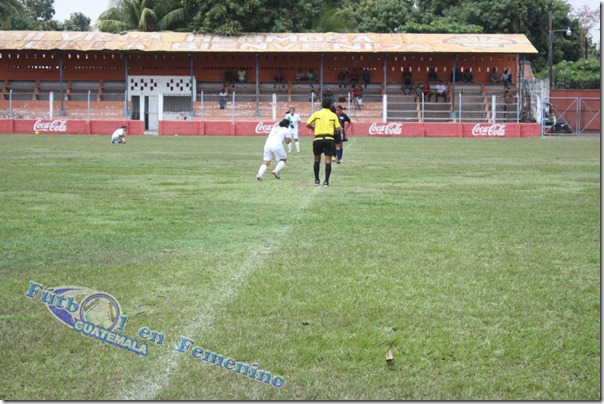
x=324 y=144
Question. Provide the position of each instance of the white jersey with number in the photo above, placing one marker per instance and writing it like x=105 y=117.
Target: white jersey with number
x=294 y=120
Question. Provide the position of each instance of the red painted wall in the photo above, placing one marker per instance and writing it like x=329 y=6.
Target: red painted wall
x=228 y=128
x=69 y=126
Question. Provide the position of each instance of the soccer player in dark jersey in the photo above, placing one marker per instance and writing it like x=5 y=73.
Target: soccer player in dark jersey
x=345 y=123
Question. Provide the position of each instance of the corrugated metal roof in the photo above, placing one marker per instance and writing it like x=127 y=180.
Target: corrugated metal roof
x=284 y=42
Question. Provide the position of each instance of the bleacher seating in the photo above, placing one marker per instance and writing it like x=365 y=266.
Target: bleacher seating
x=467 y=102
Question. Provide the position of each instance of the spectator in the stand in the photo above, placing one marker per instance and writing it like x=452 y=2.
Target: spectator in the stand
x=241 y=76
x=299 y=76
x=357 y=93
x=354 y=77
x=224 y=93
x=468 y=77
x=456 y=75
x=366 y=77
x=311 y=76
x=495 y=76
x=506 y=78
x=507 y=102
x=279 y=78
x=229 y=77
x=432 y=76
x=341 y=78
x=328 y=94
x=407 y=86
x=427 y=91
x=441 y=91
x=418 y=93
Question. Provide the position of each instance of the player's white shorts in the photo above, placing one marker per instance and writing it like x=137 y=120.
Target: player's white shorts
x=278 y=153
x=294 y=134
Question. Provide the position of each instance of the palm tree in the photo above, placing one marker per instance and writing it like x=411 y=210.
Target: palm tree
x=144 y=15
x=8 y=10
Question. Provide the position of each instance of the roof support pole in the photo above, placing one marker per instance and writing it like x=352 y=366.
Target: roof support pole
x=385 y=72
x=257 y=113
x=321 y=77
x=193 y=89
x=126 y=111
x=62 y=110
x=454 y=76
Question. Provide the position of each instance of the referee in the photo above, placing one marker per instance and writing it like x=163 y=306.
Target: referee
x=324 y=123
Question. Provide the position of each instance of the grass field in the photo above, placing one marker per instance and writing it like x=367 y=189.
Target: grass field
x=477 y=259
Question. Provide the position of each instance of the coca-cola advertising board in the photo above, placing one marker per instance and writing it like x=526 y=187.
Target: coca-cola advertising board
x=491 y=130
x=56 y=126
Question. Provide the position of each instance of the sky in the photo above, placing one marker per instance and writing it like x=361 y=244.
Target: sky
x=92 y=9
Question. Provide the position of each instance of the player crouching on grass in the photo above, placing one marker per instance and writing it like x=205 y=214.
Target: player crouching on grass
x=119 y=136
x=273 y=148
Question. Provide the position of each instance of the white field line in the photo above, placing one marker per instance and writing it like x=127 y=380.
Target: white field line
x=159 y=373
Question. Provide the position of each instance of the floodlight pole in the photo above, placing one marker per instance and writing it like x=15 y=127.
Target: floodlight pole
x=550 y=51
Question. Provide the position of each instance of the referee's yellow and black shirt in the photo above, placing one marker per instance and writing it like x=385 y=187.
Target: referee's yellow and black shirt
x=325 y=122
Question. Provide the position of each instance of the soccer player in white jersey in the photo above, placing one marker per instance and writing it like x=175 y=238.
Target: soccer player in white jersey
x=273 y=148
x=294 y=120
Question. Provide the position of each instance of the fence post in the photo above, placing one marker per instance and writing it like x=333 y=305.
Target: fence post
x=88 y=105
x=493 y=110
x=233 y=107
x=51 y=98
x=274 y=107
x=385 y=108
x=10 y=104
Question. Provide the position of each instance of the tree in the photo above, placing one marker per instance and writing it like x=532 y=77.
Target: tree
x=77 y=22
x=144 y=15
x=583 y=74
x=9 y=9
x=36 y=16
x=380 y=15
x=40 y=10
x=234 y=17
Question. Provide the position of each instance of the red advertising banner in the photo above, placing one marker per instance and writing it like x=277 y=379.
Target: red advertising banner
x=262 y=128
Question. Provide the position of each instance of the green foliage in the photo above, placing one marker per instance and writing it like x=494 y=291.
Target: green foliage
x=440 y=25
x=9 y=9
x=144 y=15
x=234 y=17
x=379 y=15
x=40 y=10
x=77 y=22
x=583 y=74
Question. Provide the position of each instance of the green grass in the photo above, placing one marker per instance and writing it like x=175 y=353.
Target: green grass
x=479 y=259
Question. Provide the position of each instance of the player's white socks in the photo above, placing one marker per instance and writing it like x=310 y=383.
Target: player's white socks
x=289 y=147
x=297 y=146
x=280 y=166
x=261 y=170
